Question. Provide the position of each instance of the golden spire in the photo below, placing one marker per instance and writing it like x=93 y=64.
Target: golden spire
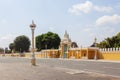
x=95 y=39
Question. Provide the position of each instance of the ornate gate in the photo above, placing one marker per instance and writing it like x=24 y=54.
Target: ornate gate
x=65 y=51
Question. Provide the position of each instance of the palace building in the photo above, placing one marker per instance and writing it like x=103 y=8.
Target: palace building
x=68 y=51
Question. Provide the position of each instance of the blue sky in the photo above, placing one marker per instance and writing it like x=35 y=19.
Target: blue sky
x=83 y=19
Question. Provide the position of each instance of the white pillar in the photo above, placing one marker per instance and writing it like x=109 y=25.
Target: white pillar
x=33 y=60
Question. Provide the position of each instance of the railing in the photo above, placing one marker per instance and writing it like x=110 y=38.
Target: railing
x=109 y=49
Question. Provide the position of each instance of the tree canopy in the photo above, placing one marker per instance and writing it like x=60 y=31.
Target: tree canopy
x=1 y=50
x=74 y=45
x=47 y=41
x=22 y=43
x=11 y=46
x=110 y=42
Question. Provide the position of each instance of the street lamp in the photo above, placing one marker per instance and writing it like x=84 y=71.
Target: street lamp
x=95 y=57
x=46 y=46
x=33 y=60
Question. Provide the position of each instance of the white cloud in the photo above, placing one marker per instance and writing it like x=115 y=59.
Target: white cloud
x=103 y=8
x=7 y=37
x=87 y=7
x=6 y=40
x=83 y=7
x=105 y=20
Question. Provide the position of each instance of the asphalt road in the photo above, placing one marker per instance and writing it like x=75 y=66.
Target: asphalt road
x=57 y=69
x=108 y=68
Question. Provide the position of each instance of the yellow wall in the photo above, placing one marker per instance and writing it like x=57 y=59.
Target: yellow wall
x=77 y=54
x=91 y=54
x=74 y=53
x=109 y=55
x=45 y=54
x=27 y=54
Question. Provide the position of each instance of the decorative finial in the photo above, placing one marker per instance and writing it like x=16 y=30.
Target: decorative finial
x=33 y=25
x=65 y=35
x=32 y=21
x=95 y=42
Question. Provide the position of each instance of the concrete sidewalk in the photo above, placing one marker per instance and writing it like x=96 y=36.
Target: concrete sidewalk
x=100 y=60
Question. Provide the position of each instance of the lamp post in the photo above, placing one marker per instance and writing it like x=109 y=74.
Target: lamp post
x=95 y=57
x=33 y=60
x=46 y=46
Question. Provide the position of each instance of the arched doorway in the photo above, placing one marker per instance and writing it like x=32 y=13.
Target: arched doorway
x=84 y=54
x=65 y=51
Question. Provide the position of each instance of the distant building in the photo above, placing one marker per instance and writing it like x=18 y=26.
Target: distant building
x=94 y=43
x=74 y=45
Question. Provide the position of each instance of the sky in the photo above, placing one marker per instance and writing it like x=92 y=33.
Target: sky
x=82 y=19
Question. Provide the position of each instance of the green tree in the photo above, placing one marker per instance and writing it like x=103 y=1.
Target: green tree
x=6 y=50
x=47 y=41
x=110 y=42
x=1 y=50
x=39 y=41
x=103 y=44
x=74 y=45
x=11 y=46
x=22 y=43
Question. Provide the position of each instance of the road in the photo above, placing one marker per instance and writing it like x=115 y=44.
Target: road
x=58 y=69
x=108 y=68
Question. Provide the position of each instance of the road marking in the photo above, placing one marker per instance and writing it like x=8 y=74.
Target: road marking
x=89 y=72
x=70 y=71
x=111 y=68
x=74 y=71
x=101 y=72
x=93 y=71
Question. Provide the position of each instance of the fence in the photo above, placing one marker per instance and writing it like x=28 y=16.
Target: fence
x=109 y=49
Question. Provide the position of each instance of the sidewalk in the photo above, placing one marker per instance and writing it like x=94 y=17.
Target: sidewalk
x=98 y=60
